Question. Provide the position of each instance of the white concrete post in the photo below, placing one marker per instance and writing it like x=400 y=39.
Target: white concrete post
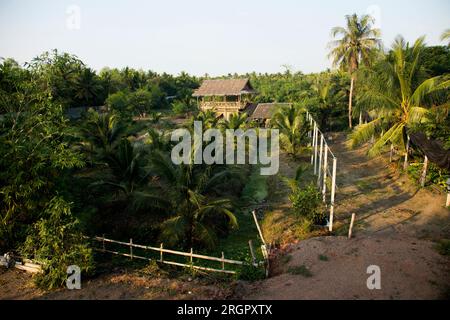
x=316 y=148
x=352 y=221
x=423 y=178
x=405 y=164
x=333 y=191
x=325 y=168
x=312 y=143
x=319 y=167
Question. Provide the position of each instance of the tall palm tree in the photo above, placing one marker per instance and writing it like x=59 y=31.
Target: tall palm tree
x=293 y=127
x=397 y=97
x=357 y=43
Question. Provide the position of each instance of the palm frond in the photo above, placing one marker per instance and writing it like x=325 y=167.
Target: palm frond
x=363 y=132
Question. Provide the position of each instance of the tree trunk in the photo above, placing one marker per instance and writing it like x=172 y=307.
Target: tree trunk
x=350 y=100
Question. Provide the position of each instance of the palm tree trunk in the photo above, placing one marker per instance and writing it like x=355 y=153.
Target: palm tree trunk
x=350 y=100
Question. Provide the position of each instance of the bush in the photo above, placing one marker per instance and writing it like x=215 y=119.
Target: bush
x=180 y=108
x=307 y=202
x=118 y=103
x=249 y=272
x=56 y=243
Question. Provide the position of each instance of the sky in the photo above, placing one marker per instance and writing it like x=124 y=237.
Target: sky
x=204 y=36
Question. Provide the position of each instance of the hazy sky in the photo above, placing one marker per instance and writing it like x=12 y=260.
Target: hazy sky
x=204 y=36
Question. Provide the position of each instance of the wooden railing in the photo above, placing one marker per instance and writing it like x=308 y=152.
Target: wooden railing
x=221 y=105
x=191 y=255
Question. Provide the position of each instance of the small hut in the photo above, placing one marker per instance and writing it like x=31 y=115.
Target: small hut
x=264 y=112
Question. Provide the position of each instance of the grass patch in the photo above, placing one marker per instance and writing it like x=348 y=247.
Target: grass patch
x=323 y=257
x=443 y=247
x=255 y=191
x=235 y=245
x=300 y=270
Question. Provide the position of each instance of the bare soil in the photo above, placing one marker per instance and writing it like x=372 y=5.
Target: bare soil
x=18 y=285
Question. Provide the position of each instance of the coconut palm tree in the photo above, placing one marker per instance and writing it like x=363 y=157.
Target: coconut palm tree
x=358 y=41
x=396 y=97
x=208 y=118
x=293 y=127
x=235 y=121
x=127 y=179
x=87 y=86
x=193 y=213
x=102 y=132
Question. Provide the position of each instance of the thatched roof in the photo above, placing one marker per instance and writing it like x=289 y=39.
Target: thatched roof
x=224 y=87
x=267 y=110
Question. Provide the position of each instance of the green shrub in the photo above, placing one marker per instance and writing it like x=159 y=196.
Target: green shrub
x=56 y=242
x=179 y=108
x=251 y=273
x=307 y=202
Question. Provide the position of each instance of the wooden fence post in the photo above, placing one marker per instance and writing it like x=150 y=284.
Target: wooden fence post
x=423 y=178
x=131 y=248
x=103 y=242
x=405 y=164
x=161 y=252
x=223 y=262
x=319 y=167
x=351 y=226
x=257 y=226
x=333 y=191
x=250 y=244
x=325 y=168
x=192 y=260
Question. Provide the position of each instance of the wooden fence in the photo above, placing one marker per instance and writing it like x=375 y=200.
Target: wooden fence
x=321 y=156
x=423 y=175
x=161 y=250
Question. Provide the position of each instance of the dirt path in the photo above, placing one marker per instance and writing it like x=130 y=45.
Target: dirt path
x=395 y=223
x=384 y=201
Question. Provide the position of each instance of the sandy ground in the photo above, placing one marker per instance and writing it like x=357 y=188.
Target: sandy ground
x=410 y=269
x=17 y=285
x=395 y=228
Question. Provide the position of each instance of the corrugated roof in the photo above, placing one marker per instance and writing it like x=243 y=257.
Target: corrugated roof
x=267 y=110
x=224 y=87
